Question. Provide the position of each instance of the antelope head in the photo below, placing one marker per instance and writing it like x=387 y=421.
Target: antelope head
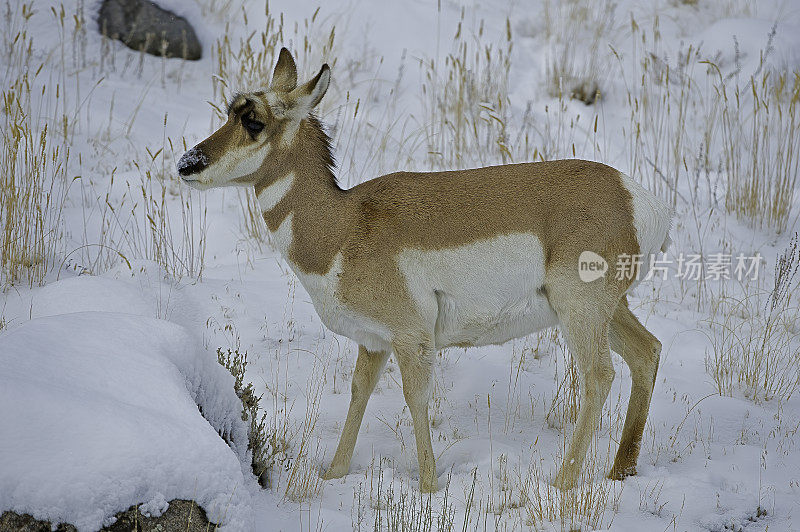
x=260 y=129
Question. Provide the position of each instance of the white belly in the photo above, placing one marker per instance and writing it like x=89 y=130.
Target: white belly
x=464 y=321
x=486 y=292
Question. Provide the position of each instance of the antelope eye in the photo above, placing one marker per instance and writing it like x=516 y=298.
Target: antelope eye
x=252 y=125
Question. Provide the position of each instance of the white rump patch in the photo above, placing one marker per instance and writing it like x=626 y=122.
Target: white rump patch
x=652 y=218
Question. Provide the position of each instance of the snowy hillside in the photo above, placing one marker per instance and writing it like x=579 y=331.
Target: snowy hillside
x=121 y=286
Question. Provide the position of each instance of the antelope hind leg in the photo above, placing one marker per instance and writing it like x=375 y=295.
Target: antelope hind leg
x=641 y=351
x=584 y=312
x=416 y=365
x=589 y=348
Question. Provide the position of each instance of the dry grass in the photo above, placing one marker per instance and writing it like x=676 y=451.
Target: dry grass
x=689 y=124
x=401 y=508
x=34 y=158
x=182 y=252
x=577 y=32
x=465 y=101
x=565 y=404
x=247 y=64
x=304 y=481
x=760 y=123
x=665 y=104
x=591 y=504
x=220 y=10
x=154 y=219
x=370 y=138
x=754 y=344
x=42 y=114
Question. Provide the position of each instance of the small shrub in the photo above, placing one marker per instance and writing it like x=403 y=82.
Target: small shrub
x=261 y=443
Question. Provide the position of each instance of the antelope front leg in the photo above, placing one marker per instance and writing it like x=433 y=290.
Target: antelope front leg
x=368 y=369
x=416 y=371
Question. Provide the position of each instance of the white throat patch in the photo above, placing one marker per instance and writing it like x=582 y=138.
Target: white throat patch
x=270 y=196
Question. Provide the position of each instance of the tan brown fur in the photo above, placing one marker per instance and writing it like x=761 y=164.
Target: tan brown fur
x=570 y=206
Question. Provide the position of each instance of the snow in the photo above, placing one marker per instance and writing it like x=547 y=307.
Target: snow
x=105 y=413
x=84 y=293
x=752 y=36
x=192 y=157
x=104 y=366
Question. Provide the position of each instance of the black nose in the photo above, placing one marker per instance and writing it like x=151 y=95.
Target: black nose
x=192 y=162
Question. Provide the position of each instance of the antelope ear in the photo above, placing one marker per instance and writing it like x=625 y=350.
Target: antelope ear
x=284 y=78
x=309 y=95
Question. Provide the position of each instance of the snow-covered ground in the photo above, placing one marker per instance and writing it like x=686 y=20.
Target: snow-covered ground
x=103 y=365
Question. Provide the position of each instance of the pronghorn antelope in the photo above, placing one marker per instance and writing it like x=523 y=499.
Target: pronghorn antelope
x=417 y=262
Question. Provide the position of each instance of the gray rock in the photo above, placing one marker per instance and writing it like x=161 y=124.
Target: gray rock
x=25 y=523
x=181 y=515
x=143 y=25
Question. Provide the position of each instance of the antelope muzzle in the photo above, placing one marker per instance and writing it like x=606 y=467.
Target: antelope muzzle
x=192 y=162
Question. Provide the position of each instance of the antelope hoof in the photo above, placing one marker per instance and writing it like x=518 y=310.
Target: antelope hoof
x=335 y=472
x=619 y=473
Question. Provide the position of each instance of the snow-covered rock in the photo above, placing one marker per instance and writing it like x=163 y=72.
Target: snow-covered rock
x=99 y=411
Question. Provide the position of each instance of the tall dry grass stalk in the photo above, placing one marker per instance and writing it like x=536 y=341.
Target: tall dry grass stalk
x=577 y=32
x=666 y=104
x=156 y=228
x=565 y=404
x=34 y=159
x=295 y=446
x=691 y=127
x=304 y=481
x=220 y=10
x=370 y=136
x=761 y=147
x=754 y=345
x=42 y=103
x=246 y=63
x=465 y=101
x=154 y=219
x=404 y=509
x=33 y=189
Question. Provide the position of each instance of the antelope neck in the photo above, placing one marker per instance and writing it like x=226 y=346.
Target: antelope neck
x=308 y=217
